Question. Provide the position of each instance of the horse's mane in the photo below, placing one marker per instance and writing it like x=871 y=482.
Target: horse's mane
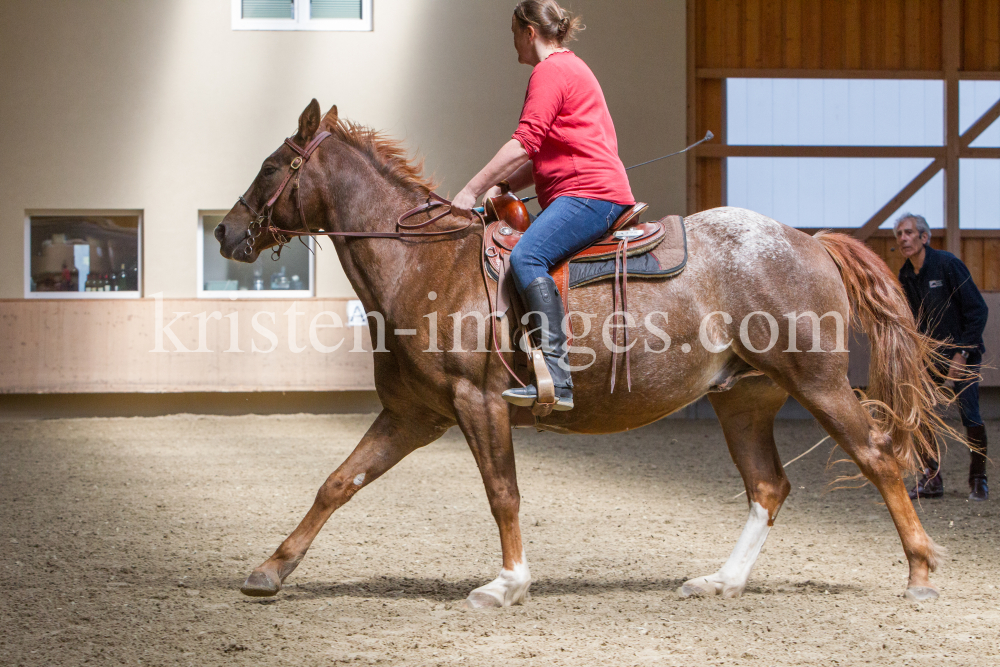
x=386 y=155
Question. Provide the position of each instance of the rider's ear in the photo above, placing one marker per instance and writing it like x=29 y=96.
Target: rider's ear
x=308 y=122
x=330 y=119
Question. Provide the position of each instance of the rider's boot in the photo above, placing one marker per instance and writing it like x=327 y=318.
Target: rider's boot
x=545 y=324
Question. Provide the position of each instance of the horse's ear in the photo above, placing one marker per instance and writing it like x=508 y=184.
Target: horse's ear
x=308 y=122
x=330 y=119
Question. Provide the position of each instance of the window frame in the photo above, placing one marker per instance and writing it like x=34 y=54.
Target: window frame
x=302 y=19
x=30 y=213
x=234 y=295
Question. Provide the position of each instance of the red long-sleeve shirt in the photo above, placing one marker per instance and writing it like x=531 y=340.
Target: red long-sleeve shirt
x=567 y=131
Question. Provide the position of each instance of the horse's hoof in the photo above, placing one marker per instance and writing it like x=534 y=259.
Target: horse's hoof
x=482 y=600
x=259 y=585
x=920 y=594
x=699 y=587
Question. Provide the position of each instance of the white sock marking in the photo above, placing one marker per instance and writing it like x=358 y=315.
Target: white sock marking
x=509 y=588
x=732 y=577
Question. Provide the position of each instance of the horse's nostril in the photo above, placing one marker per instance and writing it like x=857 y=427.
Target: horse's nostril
x=220 y=233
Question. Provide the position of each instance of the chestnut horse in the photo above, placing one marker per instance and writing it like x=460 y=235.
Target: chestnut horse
x=745 y=273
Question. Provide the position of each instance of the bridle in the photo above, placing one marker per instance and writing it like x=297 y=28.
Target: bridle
x=262 y=220
x=264 y=223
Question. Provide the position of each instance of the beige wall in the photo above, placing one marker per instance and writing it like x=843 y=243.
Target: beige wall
x=161 y=106
x=72 y=346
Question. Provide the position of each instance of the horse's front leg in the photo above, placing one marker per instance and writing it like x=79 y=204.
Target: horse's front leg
x=390 y=438
x=485 y=421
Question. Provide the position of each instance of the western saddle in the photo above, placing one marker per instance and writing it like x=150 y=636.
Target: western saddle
x=506 y=221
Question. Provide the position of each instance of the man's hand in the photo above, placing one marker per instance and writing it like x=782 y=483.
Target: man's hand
x=463 y=204
x=957 y=366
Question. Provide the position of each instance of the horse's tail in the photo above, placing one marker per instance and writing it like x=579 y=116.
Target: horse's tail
x=902 y=395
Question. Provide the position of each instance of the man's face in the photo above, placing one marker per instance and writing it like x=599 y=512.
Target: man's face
x=909 y=241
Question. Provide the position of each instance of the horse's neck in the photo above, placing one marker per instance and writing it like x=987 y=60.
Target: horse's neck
x=391 y=276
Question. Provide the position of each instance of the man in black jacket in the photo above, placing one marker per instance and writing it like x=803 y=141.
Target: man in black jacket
x=948 y=307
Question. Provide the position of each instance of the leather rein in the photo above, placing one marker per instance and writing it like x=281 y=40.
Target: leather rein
x=263 y=222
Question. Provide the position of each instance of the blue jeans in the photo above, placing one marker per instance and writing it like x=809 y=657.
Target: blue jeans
x=568 y=225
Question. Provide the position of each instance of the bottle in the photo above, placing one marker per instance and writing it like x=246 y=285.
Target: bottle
x=120 y=283
x=87 y=284
x=105 y=285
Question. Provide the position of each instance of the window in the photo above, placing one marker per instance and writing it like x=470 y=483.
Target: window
x=835 y=112
x=839 y=193
x=88 y=255
x=302 y=14
x=289 y=276
x=891 y=116
x=979 y=178
x=885 y=155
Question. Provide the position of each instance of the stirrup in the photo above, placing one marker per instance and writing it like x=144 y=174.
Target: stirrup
x=525 y=397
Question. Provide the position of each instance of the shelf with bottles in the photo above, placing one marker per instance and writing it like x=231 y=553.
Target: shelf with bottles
x=290 y=276
x=80 y=256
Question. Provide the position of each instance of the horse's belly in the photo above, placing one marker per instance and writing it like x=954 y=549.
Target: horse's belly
x=661 y=385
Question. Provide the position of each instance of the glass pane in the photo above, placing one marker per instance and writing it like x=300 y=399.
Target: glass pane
x=834 y=112
x=828 y=192
x=289 y=272
x=974 y=99
x=928 y=202
x=979 y=194
x=82 y=253
x=268 y=9
x=335 y=9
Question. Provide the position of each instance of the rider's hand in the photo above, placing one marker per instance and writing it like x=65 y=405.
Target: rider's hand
x=463 y=204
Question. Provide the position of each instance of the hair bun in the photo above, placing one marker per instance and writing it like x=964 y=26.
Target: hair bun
x=549 y=20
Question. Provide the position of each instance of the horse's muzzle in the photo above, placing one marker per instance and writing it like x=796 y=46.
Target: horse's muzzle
x=231 y=248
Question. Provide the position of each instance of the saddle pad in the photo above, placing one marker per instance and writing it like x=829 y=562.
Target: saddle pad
x=666 y=260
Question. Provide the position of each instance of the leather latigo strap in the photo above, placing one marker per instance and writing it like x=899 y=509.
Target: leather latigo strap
x=621 y=315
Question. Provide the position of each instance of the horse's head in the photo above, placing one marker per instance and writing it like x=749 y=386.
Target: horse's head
x=245 y=232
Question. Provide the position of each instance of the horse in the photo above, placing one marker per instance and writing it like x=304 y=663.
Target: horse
x=743 y=269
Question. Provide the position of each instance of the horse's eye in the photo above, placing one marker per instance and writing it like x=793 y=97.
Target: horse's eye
x=268 y=170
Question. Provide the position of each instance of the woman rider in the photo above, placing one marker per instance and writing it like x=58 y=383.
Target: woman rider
x=565 y=145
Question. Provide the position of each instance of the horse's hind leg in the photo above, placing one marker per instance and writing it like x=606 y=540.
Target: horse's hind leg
x=390 y=438
x=846 y=420
x=747 y=413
